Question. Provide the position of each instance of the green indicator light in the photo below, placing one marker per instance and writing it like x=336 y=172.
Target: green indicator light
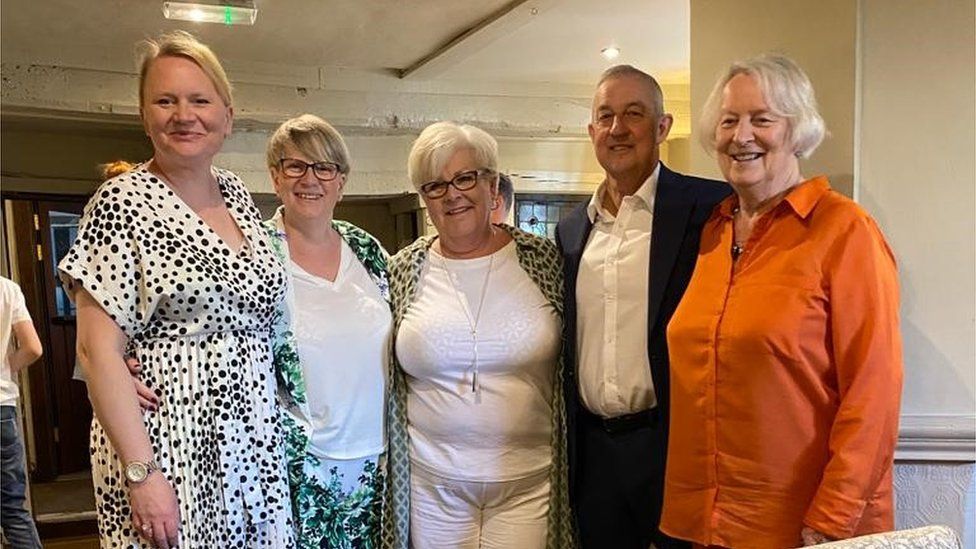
x=227 y=17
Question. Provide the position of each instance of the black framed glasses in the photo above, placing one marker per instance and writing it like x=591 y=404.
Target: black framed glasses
x=464 y=181
x=295 y=168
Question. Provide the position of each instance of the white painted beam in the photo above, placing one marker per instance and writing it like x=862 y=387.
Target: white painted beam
x=495 y=26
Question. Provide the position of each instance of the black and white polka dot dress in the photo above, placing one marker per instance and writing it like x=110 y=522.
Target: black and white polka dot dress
x=198 y=317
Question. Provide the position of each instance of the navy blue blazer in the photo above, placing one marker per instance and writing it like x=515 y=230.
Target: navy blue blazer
x=682 y=204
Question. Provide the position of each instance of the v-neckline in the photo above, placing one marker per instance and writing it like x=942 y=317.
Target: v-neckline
x=245 y=240
x=321 y=280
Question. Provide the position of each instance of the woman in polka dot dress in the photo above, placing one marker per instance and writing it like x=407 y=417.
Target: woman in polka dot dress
x=171 y=264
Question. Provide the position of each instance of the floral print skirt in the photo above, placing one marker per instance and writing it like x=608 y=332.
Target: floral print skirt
x=339 y=504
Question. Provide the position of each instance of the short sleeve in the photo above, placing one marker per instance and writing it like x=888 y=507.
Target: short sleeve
x=105 y=260
x=18 y=306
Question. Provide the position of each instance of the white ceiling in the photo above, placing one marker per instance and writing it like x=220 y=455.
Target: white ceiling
x=559 y=44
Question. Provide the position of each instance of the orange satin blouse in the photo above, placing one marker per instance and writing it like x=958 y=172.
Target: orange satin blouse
x=786 y=375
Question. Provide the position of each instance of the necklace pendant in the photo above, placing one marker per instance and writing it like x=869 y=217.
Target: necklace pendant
x=474 y=382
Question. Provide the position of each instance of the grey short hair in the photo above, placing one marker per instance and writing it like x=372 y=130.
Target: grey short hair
x=435 y=146
x=507 y=191
x=183 y=44
x=620 y=71
x=789 y=93
x=311 y=136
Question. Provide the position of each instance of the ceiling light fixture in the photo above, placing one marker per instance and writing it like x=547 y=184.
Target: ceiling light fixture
x=228 y=12
x=610 y=52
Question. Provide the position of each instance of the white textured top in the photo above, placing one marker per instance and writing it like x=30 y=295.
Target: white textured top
x=503 y=431
x=13 y=310
x=611 y=305
x=343 y=330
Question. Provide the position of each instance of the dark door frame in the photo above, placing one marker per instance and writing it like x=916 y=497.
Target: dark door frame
x=30 y=270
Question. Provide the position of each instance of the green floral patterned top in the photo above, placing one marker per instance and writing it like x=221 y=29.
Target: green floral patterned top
x=309 y=497
x=542 y=262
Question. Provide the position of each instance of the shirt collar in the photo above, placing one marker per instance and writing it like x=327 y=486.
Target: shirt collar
x=806 y=195
x=645 y=193
x=802 y=199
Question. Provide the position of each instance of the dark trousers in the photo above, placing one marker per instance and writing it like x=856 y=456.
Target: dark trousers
x=18 y=525
x=620 y=484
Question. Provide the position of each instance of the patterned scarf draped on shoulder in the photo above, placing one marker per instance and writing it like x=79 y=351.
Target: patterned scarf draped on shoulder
x=540 y=259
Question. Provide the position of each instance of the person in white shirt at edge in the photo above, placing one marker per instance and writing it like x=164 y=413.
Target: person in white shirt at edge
x=15 y=325
x=476 y=406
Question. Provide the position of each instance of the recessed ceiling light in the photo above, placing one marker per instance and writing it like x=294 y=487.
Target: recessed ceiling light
x=228 y=12
x=610 y=52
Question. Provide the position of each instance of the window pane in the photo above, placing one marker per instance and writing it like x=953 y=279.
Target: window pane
x=64 y=230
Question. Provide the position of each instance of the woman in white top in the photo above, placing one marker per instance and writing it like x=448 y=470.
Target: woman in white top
x=332 y=342
x=476 y=408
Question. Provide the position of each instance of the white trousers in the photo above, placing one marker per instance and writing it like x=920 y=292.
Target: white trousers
x=457 y=514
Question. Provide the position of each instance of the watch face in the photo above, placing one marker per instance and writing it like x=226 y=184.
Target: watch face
x=136 y=472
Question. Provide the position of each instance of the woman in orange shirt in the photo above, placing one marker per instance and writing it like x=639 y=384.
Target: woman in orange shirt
x=786 y=360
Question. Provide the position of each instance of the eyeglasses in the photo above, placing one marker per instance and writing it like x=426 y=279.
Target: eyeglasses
x=463 y=181
x=295 y=168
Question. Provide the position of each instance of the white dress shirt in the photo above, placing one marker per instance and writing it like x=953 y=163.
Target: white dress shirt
x=611 y=305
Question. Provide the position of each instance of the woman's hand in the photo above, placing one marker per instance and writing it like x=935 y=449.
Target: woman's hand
x=148 y=400
x=812 y=537
x=155 y=511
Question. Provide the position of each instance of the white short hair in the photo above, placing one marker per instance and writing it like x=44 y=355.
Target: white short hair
x=435 y=146
x=789 y=93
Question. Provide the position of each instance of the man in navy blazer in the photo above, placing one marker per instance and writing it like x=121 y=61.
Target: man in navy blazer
x=629 y=253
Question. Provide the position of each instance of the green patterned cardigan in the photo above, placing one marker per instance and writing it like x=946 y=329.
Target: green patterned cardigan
x=307 y=504
x=542 y=262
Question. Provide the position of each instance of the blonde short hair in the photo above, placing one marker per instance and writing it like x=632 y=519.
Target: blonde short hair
x=311 y=136
x=435 y=146
x=789 y=93
x=183 y=44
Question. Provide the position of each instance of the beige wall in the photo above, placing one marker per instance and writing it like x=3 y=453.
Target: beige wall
x=917 y=177
x=820 y=36
x=913 y=150
x=64 y=161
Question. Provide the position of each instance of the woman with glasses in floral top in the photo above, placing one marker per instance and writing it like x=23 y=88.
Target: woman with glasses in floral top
x=332 y=342
x=477 y=428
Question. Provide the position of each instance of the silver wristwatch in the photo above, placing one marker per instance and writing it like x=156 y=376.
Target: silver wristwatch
x=137 y=472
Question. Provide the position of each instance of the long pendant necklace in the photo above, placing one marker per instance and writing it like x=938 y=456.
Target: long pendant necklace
x=472 y=322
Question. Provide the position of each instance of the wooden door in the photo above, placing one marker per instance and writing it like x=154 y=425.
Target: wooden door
x=58 y=227
x=60 y=414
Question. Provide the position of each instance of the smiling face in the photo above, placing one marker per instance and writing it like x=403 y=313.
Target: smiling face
x=183 y=114
x=462 y=216
x=307 y=196
x=625 y=129
x=752 y=142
